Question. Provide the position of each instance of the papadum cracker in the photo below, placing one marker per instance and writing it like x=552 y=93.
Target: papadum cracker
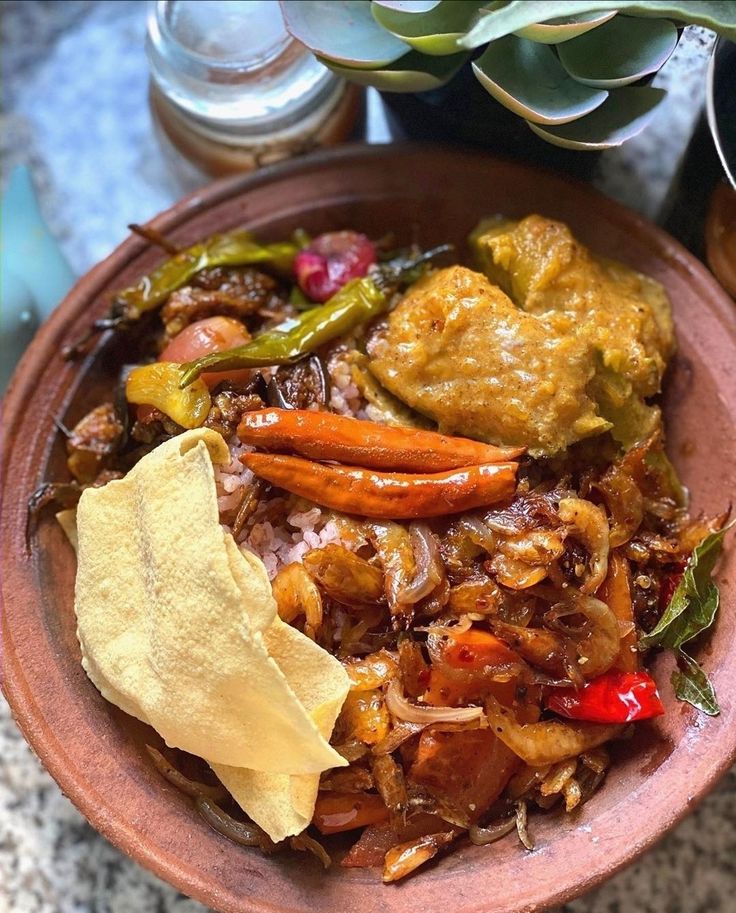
x=283 y=805
x=179 y=628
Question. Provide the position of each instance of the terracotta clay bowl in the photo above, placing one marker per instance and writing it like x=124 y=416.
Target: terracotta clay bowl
x=95 y=752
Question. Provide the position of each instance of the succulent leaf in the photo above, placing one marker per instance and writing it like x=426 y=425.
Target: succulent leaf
x=434 y=32
x=619 y=52
x=343 y=31
x=719 y=15
x=528 y=79
x=555 y=31
x=414 y=72
x=625 y=113
x=409 y=6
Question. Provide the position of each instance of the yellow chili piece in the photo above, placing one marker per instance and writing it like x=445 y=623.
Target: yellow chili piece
x=158 y=385
x=388 y=495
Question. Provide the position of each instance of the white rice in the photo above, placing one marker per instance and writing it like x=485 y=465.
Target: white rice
x=345 y=397
x=280 y=545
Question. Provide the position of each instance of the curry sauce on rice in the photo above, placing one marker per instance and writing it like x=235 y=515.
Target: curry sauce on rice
x=432 y=534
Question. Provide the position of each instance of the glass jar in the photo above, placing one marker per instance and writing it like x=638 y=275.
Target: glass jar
x=231 y=89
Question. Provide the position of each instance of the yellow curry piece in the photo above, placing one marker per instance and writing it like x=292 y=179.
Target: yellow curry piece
x=563 y=347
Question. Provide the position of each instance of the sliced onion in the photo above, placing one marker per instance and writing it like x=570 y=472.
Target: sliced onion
x=241 y=832
x=502 y=522
x=352 y=750
x=572 y=793
x=479 y=533
x=598 y=639
x=539 y=678
x=463 y=624
x=482 y=836
x=192 y=788
x=522 y=827
x=403 y=709
x=400 y=733
x=492 y=672
x=306 y=844
x=429 y=568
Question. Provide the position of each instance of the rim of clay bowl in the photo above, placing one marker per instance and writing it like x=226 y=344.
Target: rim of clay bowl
x=114 y=826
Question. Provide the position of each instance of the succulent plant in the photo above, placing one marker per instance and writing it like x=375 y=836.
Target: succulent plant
x=575 y=71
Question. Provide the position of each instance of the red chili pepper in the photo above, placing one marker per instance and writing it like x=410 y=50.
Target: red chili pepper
x=614 y=697
x=336 y=812
x=387 y=495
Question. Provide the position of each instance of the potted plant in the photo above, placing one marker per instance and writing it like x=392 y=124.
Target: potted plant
x=576 y=74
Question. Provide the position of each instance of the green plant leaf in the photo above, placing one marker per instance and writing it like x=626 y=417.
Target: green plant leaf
x=343 y=31
x=414 y=72
x=719 y=15
x=436 y=31
x=691 y=684
x=408 y=6
x=625 y=113
x=555 y=31
x=619 y=52
x=528 y=79
x=694 y=603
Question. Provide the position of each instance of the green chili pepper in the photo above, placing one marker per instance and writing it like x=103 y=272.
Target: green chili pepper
x=357 y=301
x=237 y=248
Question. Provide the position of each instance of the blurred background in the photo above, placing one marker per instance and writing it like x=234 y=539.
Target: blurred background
x=102 y=127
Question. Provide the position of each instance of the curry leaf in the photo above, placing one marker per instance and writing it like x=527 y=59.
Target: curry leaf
x=691 y=684
x=719 y=15
x=699 y=616
x=695 y=601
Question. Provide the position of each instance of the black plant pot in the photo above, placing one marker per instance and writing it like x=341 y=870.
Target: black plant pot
x=463 y=112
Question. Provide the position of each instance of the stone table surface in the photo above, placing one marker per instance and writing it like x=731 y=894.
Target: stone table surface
x=74 y=111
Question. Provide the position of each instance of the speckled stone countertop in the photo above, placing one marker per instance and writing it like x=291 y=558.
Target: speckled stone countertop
x=74 y=86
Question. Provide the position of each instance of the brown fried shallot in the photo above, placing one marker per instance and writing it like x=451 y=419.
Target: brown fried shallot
x=344 y=576
x=598 y=639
